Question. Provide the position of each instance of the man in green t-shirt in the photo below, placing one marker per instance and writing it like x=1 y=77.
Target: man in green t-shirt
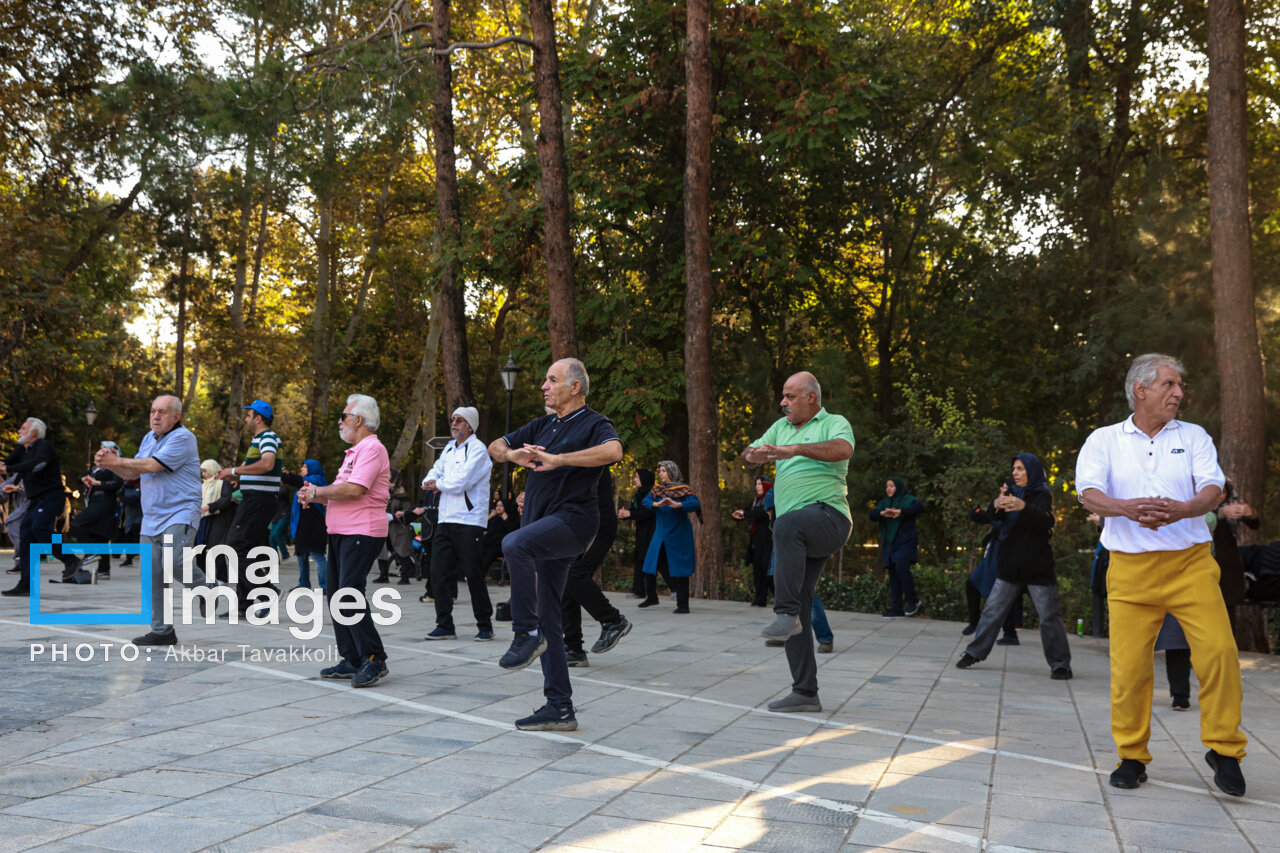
x=811 y=449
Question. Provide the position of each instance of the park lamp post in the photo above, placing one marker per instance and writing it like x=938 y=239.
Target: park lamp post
x=510 y=371
x=90 y=415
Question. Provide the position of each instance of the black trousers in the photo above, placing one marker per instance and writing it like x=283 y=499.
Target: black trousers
x=760 y=574
x=1177 y=665
x=350 y=557
x=581 y=590
x=37 y=529
x=456 y=550
x=251 y=528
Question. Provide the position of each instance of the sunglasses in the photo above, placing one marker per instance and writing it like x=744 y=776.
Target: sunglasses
x=342 y=417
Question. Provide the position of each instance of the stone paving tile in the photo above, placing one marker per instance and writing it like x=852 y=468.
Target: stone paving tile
x=311 y=782
x=39 y=779
x=458 y=833
x=880 y=836
x=240 y=805
x=549 y=810
x=313 y=833
x=754 y=834
x=24 y=833
x=172 y=833
x=163 y=782
x=445 y=780
x=619 y=835
x=1159 y=835
x=89 y=806
x=666 y=808
x=1043 y=835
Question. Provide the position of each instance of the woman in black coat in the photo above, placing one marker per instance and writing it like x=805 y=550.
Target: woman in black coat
x=759 y=540
x=645 y=522
x=1024 y=509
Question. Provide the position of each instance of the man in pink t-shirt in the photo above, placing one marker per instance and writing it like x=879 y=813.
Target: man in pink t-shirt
x=356 y=520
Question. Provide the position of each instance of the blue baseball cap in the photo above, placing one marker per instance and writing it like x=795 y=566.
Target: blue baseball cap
x=262 y=407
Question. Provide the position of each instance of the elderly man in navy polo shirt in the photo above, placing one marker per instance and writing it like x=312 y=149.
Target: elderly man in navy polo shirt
x=566 y=452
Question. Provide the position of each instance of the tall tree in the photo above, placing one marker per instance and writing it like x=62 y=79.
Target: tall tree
x=453 y=329
x=561 y=290
x=700 y=385
x=1235 y=320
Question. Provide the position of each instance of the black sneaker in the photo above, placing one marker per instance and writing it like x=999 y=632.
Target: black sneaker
x=151 y=638
x=892 y=614
x=24 y=591
x=966 y=660
x=576 y=658
x=1009 y=640
x=341 y=669
x=1181 y=702
x=969 y=629
x=1130 y=774
x=525 y=649
x=1226 y=773
x=610 y=634
x=1062 y=673
x=912 y=608
x=370 y=673
x=549 y=719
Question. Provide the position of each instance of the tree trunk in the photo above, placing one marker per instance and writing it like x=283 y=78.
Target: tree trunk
x=704 y=455
x=180 y=347
x=1243 y=449
x=561 y=291
x=235 y=391
x=453 y=328
x=421 y=400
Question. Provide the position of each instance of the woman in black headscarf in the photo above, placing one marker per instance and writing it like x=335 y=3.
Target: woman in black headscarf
x=896 y=514
x=644 y=521
x=1024 y=509
x=759 y=520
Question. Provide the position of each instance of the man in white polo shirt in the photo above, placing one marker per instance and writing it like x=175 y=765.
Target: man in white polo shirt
x=461 y=476
x=1155 y=477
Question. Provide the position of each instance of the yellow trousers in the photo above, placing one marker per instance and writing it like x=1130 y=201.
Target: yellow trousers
x=1141 y=589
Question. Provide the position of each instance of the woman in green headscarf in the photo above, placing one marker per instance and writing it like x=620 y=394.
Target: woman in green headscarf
x=896 y=514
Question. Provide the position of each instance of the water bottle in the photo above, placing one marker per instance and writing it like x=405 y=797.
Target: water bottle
x=1079 y=627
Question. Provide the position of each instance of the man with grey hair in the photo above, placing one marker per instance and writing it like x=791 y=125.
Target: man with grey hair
x=566 y=452
x=1154 y=478
x=36 y=464
x=356 y=520
x=168 y=467
x=811 y=448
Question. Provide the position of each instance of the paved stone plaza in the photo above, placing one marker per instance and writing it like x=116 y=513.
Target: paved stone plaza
x=674 y=751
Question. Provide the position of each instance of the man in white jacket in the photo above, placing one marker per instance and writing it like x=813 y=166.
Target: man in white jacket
x=461 y=476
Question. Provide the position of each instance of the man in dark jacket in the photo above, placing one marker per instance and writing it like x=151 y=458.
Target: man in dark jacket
x=36 y=463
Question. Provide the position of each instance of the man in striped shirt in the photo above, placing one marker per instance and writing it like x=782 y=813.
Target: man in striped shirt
x=259 y=476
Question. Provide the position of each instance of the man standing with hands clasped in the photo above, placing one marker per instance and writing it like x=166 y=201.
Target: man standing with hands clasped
x=1154 y=478
x=566 y=452
x=812 y=448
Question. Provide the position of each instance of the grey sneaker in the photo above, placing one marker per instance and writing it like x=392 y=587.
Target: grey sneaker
x=610 y=634
x=795 y=703
x=783 y=626
x=826 y=648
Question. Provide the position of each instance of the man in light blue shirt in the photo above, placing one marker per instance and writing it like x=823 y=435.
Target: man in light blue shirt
x=168 y=464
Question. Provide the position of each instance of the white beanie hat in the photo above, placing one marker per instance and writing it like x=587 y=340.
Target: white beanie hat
x=469 y=414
